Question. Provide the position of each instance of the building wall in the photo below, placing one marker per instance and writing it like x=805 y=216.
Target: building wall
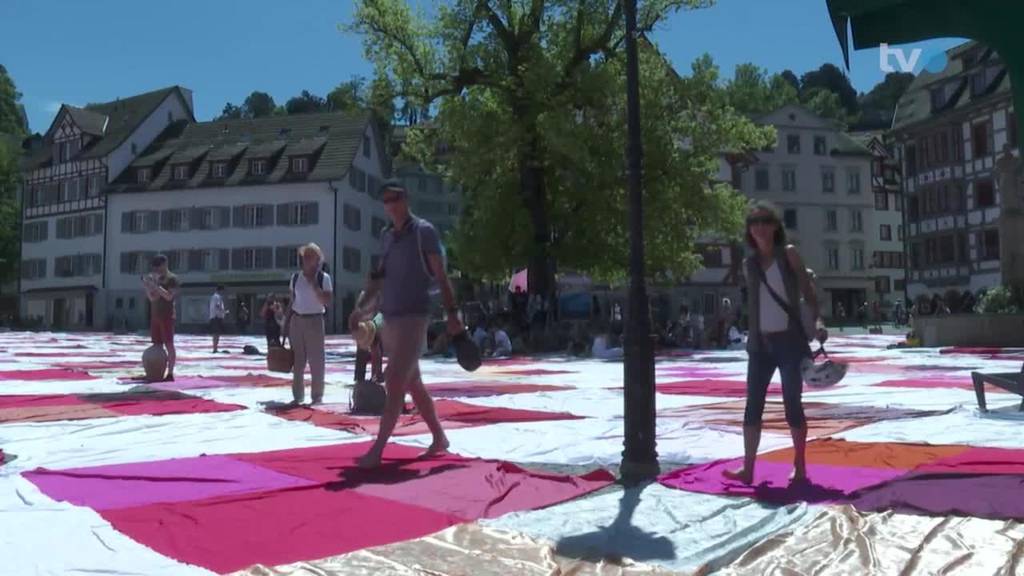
x=170 y=110
x=975 y=268
x=368 y=161
x=197 y=285
x=812 y=205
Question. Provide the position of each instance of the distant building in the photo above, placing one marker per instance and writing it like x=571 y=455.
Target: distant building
x=228 y=202
x=948 y=130
x=819 y=177
x=431 y=196
x=888 y=256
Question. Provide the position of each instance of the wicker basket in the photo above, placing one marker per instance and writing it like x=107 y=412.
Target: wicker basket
x=280 y=359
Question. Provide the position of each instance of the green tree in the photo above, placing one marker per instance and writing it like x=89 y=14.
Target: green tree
x=9 y=212
x=305 y=103
x=348 y=96
x=258 y=105
x=530 y=99
x=230 y=112
x=831 y=78
x=12 y=114
x=879 y=105
x=752 y=91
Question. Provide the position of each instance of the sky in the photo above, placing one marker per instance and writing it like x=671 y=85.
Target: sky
x=78 y=51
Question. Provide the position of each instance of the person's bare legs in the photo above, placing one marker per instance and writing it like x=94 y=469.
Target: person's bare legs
x=172 y=356
x=751 y=441
x=425 y=405
x=799 y=454
x=216 y=342
x=395 y=385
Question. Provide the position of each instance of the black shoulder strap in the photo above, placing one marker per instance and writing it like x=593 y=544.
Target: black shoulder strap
x=320 y=279
x=295 y=278
x=775 y=295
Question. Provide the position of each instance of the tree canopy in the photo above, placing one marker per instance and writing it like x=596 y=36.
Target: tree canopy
x=12 y=114
x=530 y=101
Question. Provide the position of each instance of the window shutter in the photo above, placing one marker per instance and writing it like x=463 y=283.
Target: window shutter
x=195 y=260
x=238 y=216
x=166 y=219
x=152 y=221
x=238 y=258
x=266 y=258
x=268 y=214
x=126 y=262
x=281 y=257
x=195 y=218
x=223 y=259
x=44 y=230
x=224 y=218
x=314 y=212
x=283 y=215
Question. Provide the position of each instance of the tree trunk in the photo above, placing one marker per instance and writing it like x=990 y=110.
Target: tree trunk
x=534 y=193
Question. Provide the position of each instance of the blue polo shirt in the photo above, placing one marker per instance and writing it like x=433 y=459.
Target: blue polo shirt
x=406 y=283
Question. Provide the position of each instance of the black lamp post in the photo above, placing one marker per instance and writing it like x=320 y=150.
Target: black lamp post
x=639 y=459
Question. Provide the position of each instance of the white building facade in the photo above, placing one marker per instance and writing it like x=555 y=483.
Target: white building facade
x=229 y=203
x=819 y=178
x=65 y=209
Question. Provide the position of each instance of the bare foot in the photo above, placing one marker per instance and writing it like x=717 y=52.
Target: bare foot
x=798 y=476
x=437 y=448
x=369 y=460
x=741 y=475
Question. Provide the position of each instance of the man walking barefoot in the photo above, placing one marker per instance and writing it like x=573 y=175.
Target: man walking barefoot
x=217 y=314
x=410 y=264
x=161 y=289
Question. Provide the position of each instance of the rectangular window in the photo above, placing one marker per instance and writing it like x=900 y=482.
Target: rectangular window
x=181 y=172
x=33 y=269
x=881 y=201
x=979 y=140
x=351 y=259
x=856 y=221
x=35 y=231
x=352 y=218
x=883 y=285
x=287 y=258
x=911 y=160
x=831 y=221
x=984 y=194
x=737 y=177
x=143 y=175
x=300 y=165
x=853 y=181
x=899 y=232
x=833 y=258
x=947 y=249
x=789 y=217
x=828 y=180
x=712 y=256
x=219 y=170
x=989 y=242
x=820 y=146
x=258 y=167
x=762 y=180
x=253 y=216
x=857 y=258
x=793 y=143
x=789 y=179
x=357 y=179
x=885 y=232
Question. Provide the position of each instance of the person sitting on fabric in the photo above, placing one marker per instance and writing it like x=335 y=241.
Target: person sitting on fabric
x=502 y=343
x=604 y=348
x=480 y=337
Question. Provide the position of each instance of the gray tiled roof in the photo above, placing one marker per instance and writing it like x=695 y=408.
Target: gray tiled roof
x=122 y=118
x=330 y=140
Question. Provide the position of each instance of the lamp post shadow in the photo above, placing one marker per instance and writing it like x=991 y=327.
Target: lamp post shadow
x=619 y=540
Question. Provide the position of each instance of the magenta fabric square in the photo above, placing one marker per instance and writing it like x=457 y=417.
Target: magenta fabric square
x=180 y=480
x=827 y=484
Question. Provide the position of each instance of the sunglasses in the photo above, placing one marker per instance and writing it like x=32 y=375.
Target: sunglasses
x=761 y=220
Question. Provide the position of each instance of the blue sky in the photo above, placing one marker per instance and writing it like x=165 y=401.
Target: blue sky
x=79 y=51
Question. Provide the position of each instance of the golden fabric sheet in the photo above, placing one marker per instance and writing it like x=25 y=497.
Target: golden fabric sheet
x=463 y=550
x=841 y=540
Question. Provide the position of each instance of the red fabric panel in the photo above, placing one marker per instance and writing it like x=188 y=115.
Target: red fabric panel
x=453 y=414
x=724 y=388
x=79 y=411
x=962 y=383
x=257 y=380
x=160 y=407
x=326 y=463
x=226 y=534
x=535 y=372
x=39 y=400
x=45 y=374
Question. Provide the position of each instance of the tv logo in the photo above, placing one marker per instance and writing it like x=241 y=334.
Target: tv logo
x=906 y=63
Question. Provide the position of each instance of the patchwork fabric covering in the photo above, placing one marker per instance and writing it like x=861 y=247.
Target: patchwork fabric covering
x=101 y=472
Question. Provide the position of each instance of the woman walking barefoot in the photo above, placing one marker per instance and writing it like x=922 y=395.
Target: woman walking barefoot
x=776 y=279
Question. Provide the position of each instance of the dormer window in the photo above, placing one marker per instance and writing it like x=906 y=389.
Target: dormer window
x=220 y=170
x=181 y=172
x=300 y=165
x=258 y=167
x=143 y=175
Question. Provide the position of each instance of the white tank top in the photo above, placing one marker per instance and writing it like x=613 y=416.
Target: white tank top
x=773 y=317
